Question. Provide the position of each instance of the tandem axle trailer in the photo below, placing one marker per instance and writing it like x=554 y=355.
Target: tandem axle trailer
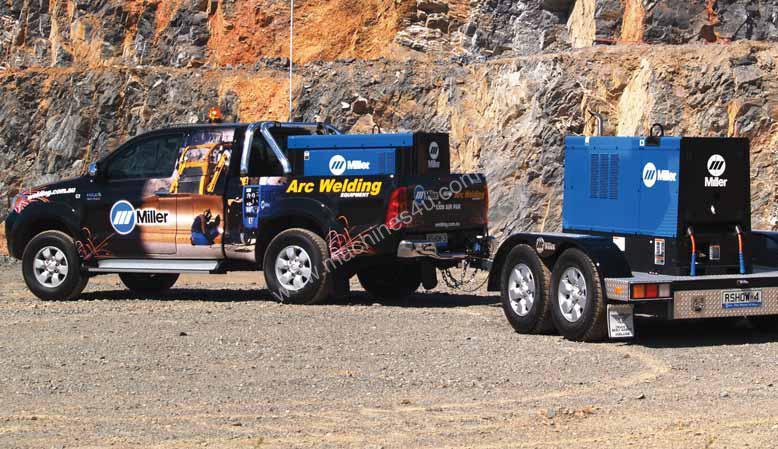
x=654 y=225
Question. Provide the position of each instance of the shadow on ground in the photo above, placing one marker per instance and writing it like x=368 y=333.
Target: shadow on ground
x=700 y=333
x=419 y=300
x=184 y=294
x=422 y=300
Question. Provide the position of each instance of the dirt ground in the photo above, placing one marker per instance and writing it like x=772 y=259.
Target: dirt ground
x=217 y=364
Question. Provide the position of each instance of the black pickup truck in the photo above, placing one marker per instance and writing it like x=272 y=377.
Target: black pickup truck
x=306 y=204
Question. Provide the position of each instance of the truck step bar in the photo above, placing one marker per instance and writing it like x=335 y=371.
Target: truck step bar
x=154 y=266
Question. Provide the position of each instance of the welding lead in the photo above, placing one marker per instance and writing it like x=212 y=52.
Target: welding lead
x=740 y=249
x=693 y=268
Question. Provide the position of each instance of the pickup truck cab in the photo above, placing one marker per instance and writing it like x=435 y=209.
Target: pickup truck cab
x=309 y=206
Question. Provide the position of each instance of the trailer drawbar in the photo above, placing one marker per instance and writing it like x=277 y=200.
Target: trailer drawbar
x=653 y=225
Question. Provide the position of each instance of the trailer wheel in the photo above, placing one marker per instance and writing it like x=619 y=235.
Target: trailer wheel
x=52 y=268
x=148 y=284
x=294 y=267
x=524 y=291
x=578 y=305
x=391 y=281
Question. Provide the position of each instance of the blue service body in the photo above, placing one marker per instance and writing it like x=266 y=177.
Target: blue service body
x=350 y=155
x=620 y=185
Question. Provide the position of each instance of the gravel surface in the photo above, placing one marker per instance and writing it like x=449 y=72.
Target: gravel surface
x=217 y=364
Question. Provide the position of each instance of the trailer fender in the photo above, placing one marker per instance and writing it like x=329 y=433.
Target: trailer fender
x=608 y=258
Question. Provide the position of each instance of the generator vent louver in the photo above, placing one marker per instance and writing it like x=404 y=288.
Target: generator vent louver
x=604 y=176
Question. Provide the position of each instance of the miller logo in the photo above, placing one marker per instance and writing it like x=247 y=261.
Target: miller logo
x=337 y=165
x=716 y=167
x=651 y=175
x=124 y=217
x=434 y=152
x=419 y=194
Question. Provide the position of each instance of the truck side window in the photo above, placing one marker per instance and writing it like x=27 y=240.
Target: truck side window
x=263 y=162
x=151 y=158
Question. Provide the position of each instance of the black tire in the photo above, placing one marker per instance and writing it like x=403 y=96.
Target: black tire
x=522 y=266
x=391 y=281
x=315 y=287
x=764 y=323
x=149 y=284
x=590 y=324
x=75 y=278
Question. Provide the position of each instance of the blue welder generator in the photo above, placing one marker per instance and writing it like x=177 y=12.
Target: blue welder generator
x=672 y=205
x=654 y=225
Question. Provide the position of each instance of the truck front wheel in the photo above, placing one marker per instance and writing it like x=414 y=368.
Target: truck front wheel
x=391 y=281
x=294 y=267
x=577 y=302
x=148 y=284
x=52 y=268
x=524 y=291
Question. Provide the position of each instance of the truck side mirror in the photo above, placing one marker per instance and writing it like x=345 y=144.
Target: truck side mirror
x=91 y=170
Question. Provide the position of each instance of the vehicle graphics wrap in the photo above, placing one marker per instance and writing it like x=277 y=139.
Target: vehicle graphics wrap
x=199 y=204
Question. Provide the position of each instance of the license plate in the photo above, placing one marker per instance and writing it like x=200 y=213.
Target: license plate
x=741 y=299
x=438 y=239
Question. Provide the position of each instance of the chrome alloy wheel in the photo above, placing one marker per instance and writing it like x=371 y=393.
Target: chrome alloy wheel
x=521 y=289
x=572 y=294
x=293 y=268
x=50 y=266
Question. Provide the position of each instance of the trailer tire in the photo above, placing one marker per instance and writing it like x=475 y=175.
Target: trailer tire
x=53 y=252
x=148 y=284
x=391 y=281
x=577 y=301
x=524 y=287
x=294 y=267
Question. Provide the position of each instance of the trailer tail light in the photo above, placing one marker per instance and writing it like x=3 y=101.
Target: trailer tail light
x=397 y=210
x=650 y=291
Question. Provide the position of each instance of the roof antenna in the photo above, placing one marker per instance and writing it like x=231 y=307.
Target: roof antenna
x=291 y=54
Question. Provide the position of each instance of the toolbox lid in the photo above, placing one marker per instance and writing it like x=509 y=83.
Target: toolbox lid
x=348 y=141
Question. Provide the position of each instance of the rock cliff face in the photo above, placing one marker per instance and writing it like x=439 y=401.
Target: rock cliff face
x=507 y=78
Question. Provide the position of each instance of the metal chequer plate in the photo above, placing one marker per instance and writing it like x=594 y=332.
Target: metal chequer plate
x=690 y=304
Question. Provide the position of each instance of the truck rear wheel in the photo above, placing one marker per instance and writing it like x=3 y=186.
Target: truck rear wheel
x=391 y=281
x=524 y=291
x=52 y=268
x=577 y=302
x=294 y=267
x=149 y=284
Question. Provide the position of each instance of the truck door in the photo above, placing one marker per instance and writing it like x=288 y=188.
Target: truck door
x=131 y=214
x=199 y=187
x=250 y=198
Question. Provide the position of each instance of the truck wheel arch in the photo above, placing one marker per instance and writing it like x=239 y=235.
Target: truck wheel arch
x=34 y=220
x=276 y=225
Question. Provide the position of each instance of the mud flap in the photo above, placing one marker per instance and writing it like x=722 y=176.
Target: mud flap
x=429 y=276
x=340 y=289
x=621 y=322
